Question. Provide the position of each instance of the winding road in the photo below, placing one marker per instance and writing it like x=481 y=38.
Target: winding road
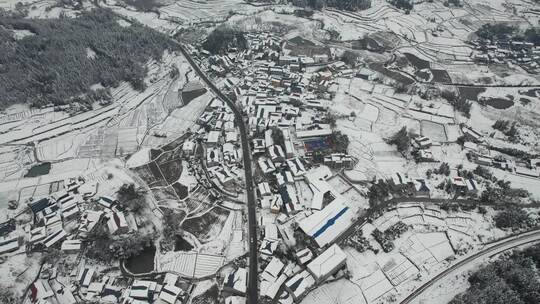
x=252 y=290
x=493 y=249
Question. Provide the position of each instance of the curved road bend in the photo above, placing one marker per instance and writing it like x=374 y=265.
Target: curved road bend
x=495 y=248
x=252 y=291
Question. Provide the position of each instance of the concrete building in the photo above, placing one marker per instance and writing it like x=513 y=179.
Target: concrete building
x=236 y=282
x=299 y=285
x=276 y=153
x=326 y=225
x=326 y=264
x=213 y=138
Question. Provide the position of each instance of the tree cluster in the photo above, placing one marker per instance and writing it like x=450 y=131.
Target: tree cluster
x=532 y=35
x=350 y=58
x=7 y=296
x=456 y=3
x=378 y=192
x=523 y=155
x=223 y=38
x=503 y=31
x=386 y=238
x=103 y=248
x=406 y=5
x=501 y=191
x=507 y=128
x=63 y=58
x=402 y=140
x=513 y=217
x=462 y=105
x=131 y=198
x=277 y=137
x=357 y=241
x=340 y=141
x=172 y=229
x=495 y=31
x=510 y=279
x=349 y=5
x=144 y=5
x=444 y=169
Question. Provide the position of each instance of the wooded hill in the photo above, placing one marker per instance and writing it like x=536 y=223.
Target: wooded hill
x=58 y=60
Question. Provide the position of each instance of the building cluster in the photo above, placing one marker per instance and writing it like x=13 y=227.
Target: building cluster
x=322 y=220
x=89 y=285
x=285 y=99
x=220 y=151
x=522 y=53
x=61 y=224
x=480 y=152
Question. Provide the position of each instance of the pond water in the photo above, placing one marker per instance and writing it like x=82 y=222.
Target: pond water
x=499 y=103
x=38 y=170
x=470 y=93
x=182 y=245
x=417 y=62
x=142 y=263
x=188 y=96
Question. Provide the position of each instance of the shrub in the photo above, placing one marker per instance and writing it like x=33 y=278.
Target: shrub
x=444 y=169
x=512 y=217
x=401 y=139
x=378 y=192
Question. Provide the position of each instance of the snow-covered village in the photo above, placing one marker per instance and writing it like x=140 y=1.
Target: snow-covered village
x=279 y=151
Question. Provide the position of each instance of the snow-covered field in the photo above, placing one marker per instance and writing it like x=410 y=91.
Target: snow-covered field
x=436 y=237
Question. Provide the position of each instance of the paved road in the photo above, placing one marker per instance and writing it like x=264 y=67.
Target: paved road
x=252 y=291
x=494 y=248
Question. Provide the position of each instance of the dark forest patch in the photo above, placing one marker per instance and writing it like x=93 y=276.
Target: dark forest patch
x=202 y=227
x=418 y=63
x=53 y=67
x=470 y=93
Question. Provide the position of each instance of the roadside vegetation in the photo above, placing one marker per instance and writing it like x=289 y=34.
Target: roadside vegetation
x=378 y=192
x=64 y=59
x=514 y=218
x=512 y=279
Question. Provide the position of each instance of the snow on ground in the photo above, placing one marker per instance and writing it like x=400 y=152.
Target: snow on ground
x=421 y=252
x=140 y=158
x=340 y=291
x=375 y=156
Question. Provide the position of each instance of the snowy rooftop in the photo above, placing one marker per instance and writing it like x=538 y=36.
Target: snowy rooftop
x=328 y=262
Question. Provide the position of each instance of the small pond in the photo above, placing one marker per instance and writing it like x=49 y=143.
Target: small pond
x=142 y=263
x=499 y=103
x=182 y=245
x=38 y=170
x=188 y=96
